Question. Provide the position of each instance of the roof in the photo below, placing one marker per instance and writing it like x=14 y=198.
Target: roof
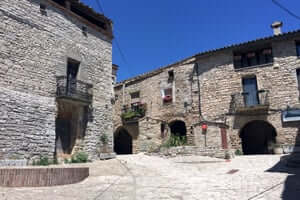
x=209 y=52
x=88 y=15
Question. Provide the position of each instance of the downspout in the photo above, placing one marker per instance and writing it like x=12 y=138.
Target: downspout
x=123 y=94
x=201 y=118
x=199 y=96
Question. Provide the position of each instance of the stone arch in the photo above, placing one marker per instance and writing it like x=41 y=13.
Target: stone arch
x=257 y=137
x=178 y=128
x=123 y=141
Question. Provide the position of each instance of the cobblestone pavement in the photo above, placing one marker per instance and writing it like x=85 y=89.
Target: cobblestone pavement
x=141 y=177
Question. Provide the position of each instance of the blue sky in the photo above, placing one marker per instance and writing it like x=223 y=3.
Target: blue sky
x=155 y=33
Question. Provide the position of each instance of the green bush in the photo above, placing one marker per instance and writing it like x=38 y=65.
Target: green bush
x=130 y=114
x=175 y=141
x=104 y=138
x=80 y=157
x=238 y=152
x=43 y=161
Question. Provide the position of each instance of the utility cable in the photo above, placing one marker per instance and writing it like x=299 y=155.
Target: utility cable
x=286 y=9
x=117 y=43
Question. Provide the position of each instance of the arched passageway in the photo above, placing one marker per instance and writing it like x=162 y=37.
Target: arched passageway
x=257 y=137
x=122 y=142
x=178 y=128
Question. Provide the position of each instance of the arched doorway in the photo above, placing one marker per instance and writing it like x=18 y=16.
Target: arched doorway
x=178 y=133
x=257 y=136
x=178 y=128
x=122 y=142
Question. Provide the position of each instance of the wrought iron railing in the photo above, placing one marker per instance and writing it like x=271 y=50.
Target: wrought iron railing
x=74 y=89
x=244 y=101
x=133 y=112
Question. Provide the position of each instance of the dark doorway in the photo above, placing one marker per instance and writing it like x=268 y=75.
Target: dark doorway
x=122 y=142
x=72 y=71
x=178 y=128
x=257 y=137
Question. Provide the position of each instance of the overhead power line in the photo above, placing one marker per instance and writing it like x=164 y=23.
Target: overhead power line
x=100 y=7
x=117 y=43
x=286 y=9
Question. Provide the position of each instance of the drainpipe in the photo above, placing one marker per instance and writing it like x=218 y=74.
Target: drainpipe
x=199 y=96
x=123 y=94
x=199 y=103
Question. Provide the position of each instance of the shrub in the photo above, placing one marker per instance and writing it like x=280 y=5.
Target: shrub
x=80 y=157
x=43 y=161
x=104 y=138
x=238 y=152
x=175 y=141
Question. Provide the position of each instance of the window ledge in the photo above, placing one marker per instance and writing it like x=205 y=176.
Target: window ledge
x=254 y=66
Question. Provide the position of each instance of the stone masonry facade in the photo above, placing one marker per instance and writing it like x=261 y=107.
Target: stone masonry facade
x=37 y=38
x=203 y=87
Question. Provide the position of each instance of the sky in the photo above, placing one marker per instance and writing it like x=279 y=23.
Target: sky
x=155 y=33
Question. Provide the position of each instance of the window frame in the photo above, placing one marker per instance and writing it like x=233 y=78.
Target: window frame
x=253 y=58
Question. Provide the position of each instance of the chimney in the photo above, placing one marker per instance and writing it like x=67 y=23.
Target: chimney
x=276 y=26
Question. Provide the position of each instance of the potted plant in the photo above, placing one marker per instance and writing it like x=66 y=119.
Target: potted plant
x=167 y=98
x=104 y=142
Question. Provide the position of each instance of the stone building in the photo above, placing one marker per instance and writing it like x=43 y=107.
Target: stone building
x=55 y=79
x=243 y=96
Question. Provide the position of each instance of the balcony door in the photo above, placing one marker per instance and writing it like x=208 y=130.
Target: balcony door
x=72 y=71
x=250 y=91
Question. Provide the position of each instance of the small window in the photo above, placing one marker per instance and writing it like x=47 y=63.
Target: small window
x=253 y=58
x=135 y=95
x=298 y=48
x=168 y=92
x=84 y=31
x=171 y=75
x=162 y=130
x=43 y=8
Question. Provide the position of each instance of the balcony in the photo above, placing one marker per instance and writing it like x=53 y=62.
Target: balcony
x=73 y=90
x=250 y=103
x=133 y=113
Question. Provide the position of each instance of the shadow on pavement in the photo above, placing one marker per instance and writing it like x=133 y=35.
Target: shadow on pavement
x=290 y=164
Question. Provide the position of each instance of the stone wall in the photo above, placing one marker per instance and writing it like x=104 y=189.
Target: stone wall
x=147 y=134
x=217 y=80
x=34 y=49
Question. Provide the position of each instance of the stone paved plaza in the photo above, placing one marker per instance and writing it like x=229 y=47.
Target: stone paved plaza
x=136 y=177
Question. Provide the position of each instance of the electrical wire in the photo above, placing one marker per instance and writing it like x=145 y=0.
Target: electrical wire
x=286 y=9
x=117 y=43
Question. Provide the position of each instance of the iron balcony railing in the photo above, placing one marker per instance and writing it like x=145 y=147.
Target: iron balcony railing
x=250 y=102
x=133 y=112
x=73 y=89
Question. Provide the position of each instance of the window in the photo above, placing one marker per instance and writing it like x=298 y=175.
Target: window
x=72 y=71
x=135 y=95
x=84 y=31
x=171 y=75
x=162 y=130
x=253 y=58
x=43 y=8
x=298 y=48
